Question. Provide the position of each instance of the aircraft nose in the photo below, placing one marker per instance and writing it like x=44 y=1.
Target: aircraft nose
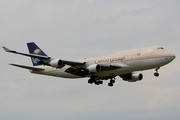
x=171 y=56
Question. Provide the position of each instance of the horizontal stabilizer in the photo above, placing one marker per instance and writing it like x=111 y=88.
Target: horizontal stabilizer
x=28 y=67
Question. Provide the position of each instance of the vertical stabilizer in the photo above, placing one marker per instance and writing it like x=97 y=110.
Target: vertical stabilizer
x=34 y=49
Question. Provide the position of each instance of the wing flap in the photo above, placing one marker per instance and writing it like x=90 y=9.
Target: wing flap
x=74 y=63
x=109 y=67
x=28 y=67
x=77 y=71
x=105 y=67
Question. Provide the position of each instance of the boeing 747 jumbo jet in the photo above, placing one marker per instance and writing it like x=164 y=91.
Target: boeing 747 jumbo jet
x=125 y=64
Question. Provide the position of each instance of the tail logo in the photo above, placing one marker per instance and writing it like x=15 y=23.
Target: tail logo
x=36 y=52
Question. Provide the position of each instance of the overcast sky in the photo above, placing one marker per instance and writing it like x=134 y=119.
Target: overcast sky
x=75 y=29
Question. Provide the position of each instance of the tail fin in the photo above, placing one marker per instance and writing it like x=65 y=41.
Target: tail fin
x=34 y=49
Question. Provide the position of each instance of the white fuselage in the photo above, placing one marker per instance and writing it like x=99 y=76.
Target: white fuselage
x=130 y=61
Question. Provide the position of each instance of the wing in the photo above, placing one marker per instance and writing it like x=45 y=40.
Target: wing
x=104 y=67
x=76 y=67
x=44 y=59
x=29 y=55
x=83 y=71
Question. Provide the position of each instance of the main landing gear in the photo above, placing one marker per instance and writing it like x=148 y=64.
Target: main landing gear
x=112 y=80
x=156 y=74
x=98 y=82
x=93 y=80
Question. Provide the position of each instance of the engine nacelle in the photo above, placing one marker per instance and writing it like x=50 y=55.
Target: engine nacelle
x=134 y=77
x=57 y=63
x=137 y=76
x=94 y=68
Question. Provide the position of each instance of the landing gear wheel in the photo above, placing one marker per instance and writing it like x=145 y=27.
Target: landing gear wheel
x=156 y=74
x=90 y=81
x=100 y=82
x=112 y=81
x=97 y=83
x=110 y=84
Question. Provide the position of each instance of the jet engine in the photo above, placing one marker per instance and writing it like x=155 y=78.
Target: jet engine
x=133 y=77
x=94 y=68
x=57 y=63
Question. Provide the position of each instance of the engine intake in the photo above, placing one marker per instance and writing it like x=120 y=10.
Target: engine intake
x=134 y=77
x=57 y=63
x=94 y=68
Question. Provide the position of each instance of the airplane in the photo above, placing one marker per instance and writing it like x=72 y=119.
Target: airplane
x=126 y=64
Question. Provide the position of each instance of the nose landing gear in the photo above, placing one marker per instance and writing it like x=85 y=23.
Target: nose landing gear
x=156 y=74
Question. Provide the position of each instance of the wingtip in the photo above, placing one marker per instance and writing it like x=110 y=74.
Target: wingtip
x=5 y=49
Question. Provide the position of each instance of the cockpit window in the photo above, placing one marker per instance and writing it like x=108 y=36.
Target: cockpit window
x=161 y=48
